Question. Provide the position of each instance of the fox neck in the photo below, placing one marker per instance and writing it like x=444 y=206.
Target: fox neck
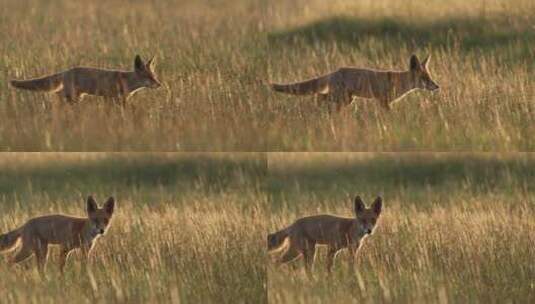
x=87 y=235
x=131 y=83
x=401 y=83
x=357 y=230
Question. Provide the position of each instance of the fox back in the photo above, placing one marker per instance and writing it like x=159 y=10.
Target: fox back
x=335 y=230
x=325 y=229
x=112 y=83
x=78 y=81
x=348 y=82
x=65 y=229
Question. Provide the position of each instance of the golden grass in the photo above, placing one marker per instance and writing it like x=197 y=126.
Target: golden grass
x=215 y=59
x=209 y=57
x=181 y=236
x=481 y=57
x=461 y=232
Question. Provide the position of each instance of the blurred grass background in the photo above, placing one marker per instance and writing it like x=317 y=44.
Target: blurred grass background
x=455 y=228
x=181 y=232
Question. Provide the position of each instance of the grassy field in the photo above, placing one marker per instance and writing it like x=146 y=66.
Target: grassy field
x=482 y=57
x=215 y=58
x=210 y=55
x=454 y=228
x=179 y=234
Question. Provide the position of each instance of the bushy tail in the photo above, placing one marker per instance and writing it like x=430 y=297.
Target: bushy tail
x=275 y=240
x=312 y=86
x=47 y=83
x=9 y=240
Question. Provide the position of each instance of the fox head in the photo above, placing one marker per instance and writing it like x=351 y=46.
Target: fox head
x=99 y=218
x=145 y=72
x=420 y=74
x=366 y=218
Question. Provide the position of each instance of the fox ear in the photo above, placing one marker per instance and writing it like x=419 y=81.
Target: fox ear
x=425 y=62
x=138 y=64
x=377 y=205
x=151 y=63
x=109 y=205
x=414 y=63
x=359 y=205
x=91 y=205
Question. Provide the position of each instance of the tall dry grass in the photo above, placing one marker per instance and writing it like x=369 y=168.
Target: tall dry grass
x=482 y=57
x=453 y=228
x=210 y=56
x=179 y=234
x=215 y=59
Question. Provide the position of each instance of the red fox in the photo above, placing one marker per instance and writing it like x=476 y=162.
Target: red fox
x=335 y=232
x=341 y=86
x=72 y=84
x=67 y=231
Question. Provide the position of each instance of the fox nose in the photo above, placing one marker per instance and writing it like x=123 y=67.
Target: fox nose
x=101 y=231
x=369 y=231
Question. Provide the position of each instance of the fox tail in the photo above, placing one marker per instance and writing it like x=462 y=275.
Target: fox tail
x=47 y=83
x=275 y=240
x=9 y=240
x=311 y=86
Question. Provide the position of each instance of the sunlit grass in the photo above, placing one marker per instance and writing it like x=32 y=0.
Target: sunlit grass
x=180 y=236
x=454 y=228
x=481 y=57
x=209 y=58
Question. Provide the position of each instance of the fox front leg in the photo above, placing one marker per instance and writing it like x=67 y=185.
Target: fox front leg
x=86 y=255
x=353 y=249
x=41 y=254
x=309 y=254
x=331 y=255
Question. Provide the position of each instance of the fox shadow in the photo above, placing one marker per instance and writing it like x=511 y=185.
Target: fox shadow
x=465 y=33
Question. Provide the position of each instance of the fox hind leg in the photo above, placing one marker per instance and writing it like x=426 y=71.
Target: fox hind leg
x=70 y=94
x=24 y=252
x=336 y=100
x=291 y=254
x=72 y=98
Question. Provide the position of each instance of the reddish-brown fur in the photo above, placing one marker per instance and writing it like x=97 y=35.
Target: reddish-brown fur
x=67 y=231
x=72 y=84
x=339 y=87
x=334 y=231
